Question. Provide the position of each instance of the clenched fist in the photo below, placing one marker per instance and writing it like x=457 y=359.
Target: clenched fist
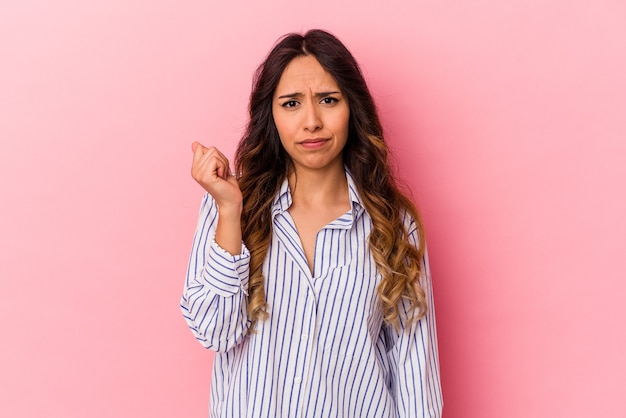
x=211 y=170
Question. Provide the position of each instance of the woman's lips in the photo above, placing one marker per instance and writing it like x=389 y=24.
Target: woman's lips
x=314 y=143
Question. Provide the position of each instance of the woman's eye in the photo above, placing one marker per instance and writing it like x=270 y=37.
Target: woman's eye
x=290 y=103
x=329 y=100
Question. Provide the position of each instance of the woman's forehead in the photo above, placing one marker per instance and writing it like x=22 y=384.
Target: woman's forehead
x=304 y=74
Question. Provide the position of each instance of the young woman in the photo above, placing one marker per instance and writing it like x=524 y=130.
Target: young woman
x=308 y=274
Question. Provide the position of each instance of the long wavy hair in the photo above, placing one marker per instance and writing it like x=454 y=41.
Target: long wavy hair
x=262 y=164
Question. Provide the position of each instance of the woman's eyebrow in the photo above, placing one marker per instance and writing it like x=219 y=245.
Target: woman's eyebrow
x=290 y=95
x=298 y=94
x=326 y=93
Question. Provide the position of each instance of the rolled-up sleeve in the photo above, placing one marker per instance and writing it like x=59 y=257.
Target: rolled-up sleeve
x=214 y=300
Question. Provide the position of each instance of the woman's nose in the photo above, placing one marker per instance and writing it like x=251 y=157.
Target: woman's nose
x=312 y=118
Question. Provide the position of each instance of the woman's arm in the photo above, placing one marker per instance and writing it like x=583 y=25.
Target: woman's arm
x=214 y=301
x=414 y=357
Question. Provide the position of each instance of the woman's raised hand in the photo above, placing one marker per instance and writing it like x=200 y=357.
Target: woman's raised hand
x=211 y=170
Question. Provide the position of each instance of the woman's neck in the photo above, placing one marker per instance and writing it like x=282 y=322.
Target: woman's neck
x=313 y=188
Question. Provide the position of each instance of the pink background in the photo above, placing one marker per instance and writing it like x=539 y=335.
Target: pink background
x=508 y=120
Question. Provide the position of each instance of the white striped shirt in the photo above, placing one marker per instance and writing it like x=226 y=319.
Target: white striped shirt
x=324 y=351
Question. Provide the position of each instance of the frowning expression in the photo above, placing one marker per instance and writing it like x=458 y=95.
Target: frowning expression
x=311 y=115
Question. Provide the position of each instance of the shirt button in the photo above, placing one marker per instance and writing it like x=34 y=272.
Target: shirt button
x=297 y=380
x=304 y=337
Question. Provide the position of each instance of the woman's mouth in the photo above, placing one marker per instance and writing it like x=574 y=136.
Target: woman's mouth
x=314 y=143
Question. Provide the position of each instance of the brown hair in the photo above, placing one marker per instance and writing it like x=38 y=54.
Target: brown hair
x=262 y=165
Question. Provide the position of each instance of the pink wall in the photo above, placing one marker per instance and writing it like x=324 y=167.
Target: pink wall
x=508 y=119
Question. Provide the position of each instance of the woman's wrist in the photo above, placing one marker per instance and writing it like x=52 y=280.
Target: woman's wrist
x=231 y=211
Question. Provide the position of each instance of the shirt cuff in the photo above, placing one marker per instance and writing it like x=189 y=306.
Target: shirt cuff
x=226 y=274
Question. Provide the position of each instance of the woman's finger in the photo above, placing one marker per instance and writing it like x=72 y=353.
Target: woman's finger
x=199 y=151
x=223 y=166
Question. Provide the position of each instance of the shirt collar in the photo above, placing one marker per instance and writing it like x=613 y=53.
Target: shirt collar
x=282 y=201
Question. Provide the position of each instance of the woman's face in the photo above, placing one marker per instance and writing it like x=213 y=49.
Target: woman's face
x=311 y=115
